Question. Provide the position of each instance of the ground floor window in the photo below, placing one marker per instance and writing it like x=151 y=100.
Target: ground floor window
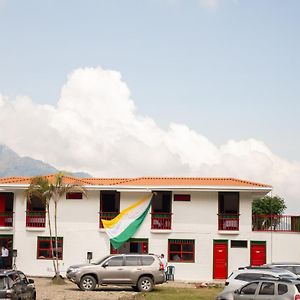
x=181 y=250
x=44 y=248
x=132 y=246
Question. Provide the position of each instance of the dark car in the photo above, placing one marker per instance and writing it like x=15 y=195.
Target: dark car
x=15 y=285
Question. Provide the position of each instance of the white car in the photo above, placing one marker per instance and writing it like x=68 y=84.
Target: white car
x=240 y=277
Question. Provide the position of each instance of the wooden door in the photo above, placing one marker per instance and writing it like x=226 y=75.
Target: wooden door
x=258 y=253
x=220 y=260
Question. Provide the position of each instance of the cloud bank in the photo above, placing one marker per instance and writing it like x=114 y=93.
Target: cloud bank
x=95 y=128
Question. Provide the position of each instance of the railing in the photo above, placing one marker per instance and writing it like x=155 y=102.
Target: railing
x=35 y=218
x=6 y=218
x=229 y=222
x=280 y=223
x=106 y=216
x=161 y=220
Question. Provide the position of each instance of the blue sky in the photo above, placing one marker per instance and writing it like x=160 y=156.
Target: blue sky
x=231 y=71
x=155 y=87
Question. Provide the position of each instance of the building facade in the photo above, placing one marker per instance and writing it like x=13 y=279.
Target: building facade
x=204 y=226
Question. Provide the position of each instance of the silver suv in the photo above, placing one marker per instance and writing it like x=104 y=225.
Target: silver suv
x=141 y=271
x=269 y=289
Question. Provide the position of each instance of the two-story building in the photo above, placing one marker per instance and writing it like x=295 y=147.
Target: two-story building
x=204 y=226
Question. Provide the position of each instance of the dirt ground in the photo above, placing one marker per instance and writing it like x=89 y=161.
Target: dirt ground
x=45 y=290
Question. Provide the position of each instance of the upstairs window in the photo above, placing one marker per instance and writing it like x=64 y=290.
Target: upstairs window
x=109 y=205
x=74 y=196
x=181 y=197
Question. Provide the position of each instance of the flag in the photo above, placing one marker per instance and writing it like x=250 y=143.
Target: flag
x=126 y=223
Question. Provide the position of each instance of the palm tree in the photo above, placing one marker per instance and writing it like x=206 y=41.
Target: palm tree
x=41 y=188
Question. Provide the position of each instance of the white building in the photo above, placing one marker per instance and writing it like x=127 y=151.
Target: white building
x=204 y=226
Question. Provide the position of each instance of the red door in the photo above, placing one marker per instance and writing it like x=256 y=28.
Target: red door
x=258 y=254
x=220 y=260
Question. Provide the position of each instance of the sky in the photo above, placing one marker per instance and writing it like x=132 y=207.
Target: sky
x=155 y=87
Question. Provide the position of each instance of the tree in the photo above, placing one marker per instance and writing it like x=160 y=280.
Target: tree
x=41 y=188
x=268 y=206
x=266 y=212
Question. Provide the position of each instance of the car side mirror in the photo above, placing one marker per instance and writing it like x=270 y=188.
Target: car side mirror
x=105 y=265
x=30 y=281
x=237 y=291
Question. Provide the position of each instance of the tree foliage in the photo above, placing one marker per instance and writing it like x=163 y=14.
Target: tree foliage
x=46 y=191
x=268 y=206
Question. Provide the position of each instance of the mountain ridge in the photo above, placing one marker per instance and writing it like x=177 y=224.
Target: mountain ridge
x=11 y=164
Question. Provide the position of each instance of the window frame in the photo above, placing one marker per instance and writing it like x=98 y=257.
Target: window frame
x=46 y=238
x=181 y=252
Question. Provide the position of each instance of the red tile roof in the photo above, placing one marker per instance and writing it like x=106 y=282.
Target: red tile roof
x=146 y=181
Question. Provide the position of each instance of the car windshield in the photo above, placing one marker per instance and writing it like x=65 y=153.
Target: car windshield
x=101 y=260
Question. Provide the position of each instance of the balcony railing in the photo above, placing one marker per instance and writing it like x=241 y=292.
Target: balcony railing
x=106 y=216
x=280 y=223
x=229 y=222
x=35 y=219
x=161 y=220
x=6 y=218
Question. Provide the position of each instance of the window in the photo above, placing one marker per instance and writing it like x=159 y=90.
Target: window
x=229 y=202
x=282 y=289
x=252 y=276
x=181 y=251
x=180 y=197
x=132 y=261
x=132 y=246
x=239 y=244
x=115 y=262
x=147 y=260
x=73 y=195
x=44 y=248
x=267 y=288
x=109 y=205
x=249 y=289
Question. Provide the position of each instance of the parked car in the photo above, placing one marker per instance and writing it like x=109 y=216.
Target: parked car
x=15 y=285
x=243 y=276
x=291 y=266
x=269 y=289
x=141 y=271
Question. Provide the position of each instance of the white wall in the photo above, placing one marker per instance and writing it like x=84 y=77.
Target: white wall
x=78 y=224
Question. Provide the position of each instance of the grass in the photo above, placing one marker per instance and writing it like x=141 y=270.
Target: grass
x=164 y=293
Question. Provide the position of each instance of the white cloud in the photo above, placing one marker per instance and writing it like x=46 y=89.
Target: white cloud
x=95 y=128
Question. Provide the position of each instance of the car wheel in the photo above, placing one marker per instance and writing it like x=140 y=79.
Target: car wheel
x=145 y=284
x=87 y=283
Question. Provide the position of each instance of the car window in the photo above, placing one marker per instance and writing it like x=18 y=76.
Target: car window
x=115 y=261
x=297 y=269
x=267 y=288
x=2 y=283
x=298 y=287
x=14 y=278
x=282 y=289
x=147 y=260
x=252 y=276
x=249 y=289
x=22 y=277
x=132 y=261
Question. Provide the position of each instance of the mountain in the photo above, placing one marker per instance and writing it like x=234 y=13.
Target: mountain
x=11 y=164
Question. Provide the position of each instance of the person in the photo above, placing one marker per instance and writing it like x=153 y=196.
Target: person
x=164 y=263
x=4 y=257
